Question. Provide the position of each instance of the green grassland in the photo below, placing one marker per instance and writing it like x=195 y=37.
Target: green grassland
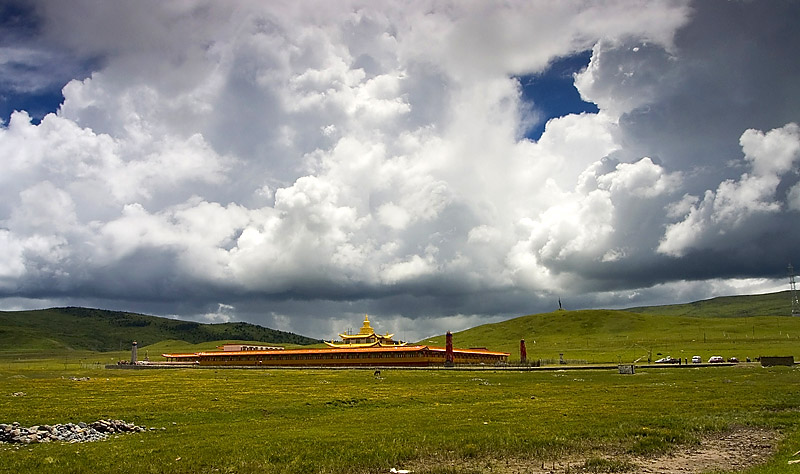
x=309 y=421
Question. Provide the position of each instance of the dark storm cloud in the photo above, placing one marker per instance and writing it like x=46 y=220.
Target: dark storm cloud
x=728 y=71
x=731 y=71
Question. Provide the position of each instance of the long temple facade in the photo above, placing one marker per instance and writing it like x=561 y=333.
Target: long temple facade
x=358 y=350
x=409 y=356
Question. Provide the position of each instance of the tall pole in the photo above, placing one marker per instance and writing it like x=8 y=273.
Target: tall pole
x=793 y=291
x=523 y=352
x=448 y=354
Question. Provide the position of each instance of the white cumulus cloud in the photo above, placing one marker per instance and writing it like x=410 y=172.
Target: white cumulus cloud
x=290 y=163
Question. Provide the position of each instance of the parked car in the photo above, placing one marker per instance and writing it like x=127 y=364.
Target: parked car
x=696 y=360
x=715 y=360
x=668 y=360
x=733 y=359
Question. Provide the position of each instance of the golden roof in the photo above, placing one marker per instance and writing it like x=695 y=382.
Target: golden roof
x=365 y=331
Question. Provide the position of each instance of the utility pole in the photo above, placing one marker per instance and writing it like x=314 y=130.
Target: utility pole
x=793 y=292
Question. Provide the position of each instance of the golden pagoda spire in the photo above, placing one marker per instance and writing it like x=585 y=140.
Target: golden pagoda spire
x=366 y=328
x=366 y=337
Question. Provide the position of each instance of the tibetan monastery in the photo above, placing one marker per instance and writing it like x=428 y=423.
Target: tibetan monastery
x=366 y=337
x=363 y=349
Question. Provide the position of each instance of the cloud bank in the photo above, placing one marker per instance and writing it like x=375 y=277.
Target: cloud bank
x=295 y=164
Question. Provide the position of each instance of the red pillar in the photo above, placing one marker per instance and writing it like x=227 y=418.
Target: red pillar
x=523 y=352
x=448 y=354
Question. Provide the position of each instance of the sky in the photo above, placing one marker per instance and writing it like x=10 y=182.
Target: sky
x=435 y=164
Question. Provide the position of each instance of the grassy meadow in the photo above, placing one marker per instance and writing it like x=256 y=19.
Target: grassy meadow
x=348 y=421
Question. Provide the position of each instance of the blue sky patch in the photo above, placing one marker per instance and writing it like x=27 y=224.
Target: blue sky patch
x=32 y=72
x=553 y=94
x=36 y=104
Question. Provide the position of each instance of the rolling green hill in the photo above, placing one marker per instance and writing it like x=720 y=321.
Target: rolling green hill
x=770 y=304
x=101 y=330
x=712 y=327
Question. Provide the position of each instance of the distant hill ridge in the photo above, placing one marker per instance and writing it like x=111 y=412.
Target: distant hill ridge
x=104 y=330
x=768 y=304
x=583 y=334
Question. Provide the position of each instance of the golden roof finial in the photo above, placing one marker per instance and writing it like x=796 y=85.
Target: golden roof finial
x=366 y=328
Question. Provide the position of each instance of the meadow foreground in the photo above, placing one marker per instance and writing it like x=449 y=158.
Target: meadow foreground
x=295 y=421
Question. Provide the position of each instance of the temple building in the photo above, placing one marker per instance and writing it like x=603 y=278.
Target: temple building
x=355 y=350
x=366 y=337
x=396 y=356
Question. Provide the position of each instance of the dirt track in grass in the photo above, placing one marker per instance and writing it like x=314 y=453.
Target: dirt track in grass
x=734 y=450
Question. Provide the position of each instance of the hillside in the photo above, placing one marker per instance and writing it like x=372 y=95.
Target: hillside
x=712 y=327
x=101 y=330
x=770 y=304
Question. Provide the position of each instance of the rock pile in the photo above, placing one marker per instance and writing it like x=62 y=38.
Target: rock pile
x=69 y=432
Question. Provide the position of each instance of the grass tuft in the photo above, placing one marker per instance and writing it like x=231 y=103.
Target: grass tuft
x=603 y=465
